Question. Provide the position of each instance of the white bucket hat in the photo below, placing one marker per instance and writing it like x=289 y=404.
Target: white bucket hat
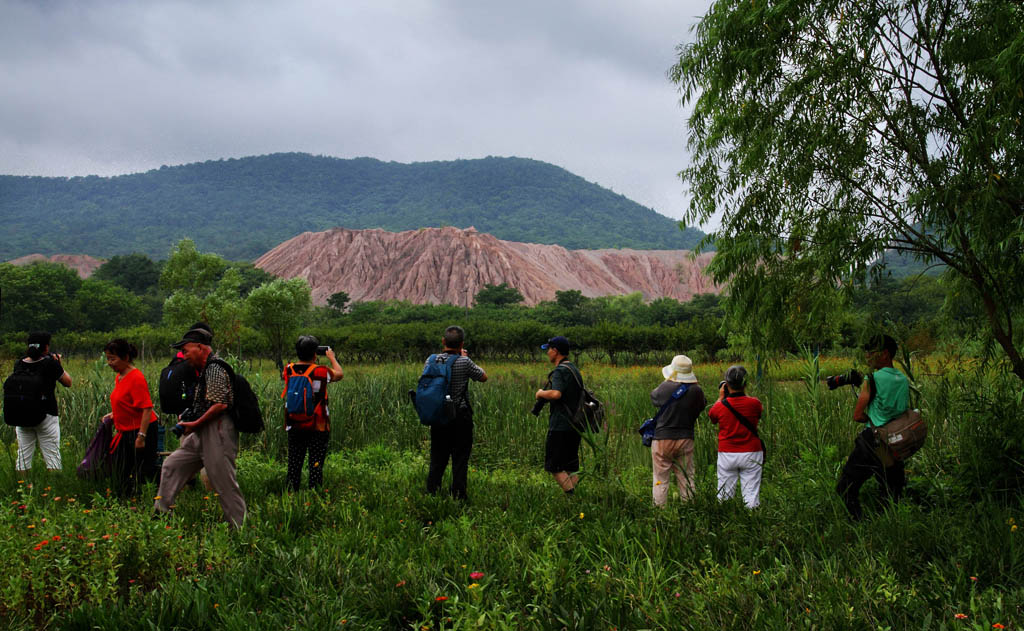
x=680 y=370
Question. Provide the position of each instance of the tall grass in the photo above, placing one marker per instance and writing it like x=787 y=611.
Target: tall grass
x=371 y=550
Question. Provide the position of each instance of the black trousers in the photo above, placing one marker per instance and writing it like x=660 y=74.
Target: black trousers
x=129 y=466
x=861 y=466
x=299 y=443
x=454 y=441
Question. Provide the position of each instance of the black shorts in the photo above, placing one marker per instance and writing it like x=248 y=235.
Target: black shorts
x=562 y=452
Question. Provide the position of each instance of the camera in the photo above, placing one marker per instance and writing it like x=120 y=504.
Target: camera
x=178 y=430
x=721 y=384
x=852 y=378
x=538 y=406
x=320 y=350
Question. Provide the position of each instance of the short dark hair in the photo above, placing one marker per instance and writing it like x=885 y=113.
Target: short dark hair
x=454 y=336
x=305 y=347
x=882 y=342
x=37 y=343
x=122 y=348
x=736 y=377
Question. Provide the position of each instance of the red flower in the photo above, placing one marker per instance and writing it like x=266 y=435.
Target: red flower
x=400 y=584
x=441 y=599
x=998 y=626
x=56 y=537
x=476 y=575
x=960 y=616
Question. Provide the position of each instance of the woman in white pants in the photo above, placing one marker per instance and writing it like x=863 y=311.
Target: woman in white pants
x=740 y=450
x=47 y=369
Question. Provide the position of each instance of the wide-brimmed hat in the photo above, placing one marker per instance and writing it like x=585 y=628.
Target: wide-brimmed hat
x=680 y=370
x=199 y=336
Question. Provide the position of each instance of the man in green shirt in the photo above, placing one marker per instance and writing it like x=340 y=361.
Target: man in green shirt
x=562 y=448
x=877 y=404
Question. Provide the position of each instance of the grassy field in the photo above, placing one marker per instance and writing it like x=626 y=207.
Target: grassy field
x=371 y=550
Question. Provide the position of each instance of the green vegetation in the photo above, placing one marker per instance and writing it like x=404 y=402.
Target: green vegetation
x=372 y=551
x=827 y=133
x=279 y=196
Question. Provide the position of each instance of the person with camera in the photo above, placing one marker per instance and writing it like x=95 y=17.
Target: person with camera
x=133 y=447
x=562 y=393
x=307 y=419
x=884 y=395
x=208 y=436
x=454 y=440
x=680 y=401
x=740 y=449
x=39 y=372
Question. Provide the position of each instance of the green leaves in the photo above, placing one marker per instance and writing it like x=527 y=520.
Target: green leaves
x=824 y=134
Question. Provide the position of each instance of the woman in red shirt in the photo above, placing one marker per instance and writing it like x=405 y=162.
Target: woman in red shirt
x=740 y=450
x=133 y=447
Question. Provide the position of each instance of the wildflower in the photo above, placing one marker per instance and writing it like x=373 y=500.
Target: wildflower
x=400 y=583
x=607 y=568
x=476 y=575
x=56 y=537
x=21 y=482
x=31 y=525
x=206 y=497
x=86 y=511
x=473 y=586
x=38 y=548
x=158 y=497
x=581 y=515
x=756 y=572
x=441 y=599
x=71 y=499
x=658 y=483
x=215 y=605
x=56 y=499
x=960 y=616
x=677 y=594
x=974 y=578
x=998 y=626
x=105 y=537
x=91 y=544
x=44 y=542
x=1013 y=528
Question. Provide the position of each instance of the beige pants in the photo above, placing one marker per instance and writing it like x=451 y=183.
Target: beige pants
x=214 y=447
x=672 y=456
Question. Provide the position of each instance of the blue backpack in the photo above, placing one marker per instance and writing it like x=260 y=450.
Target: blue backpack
x=433 y=400
x=300 y=399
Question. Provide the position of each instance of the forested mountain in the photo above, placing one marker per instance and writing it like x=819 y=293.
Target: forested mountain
x=241 y=208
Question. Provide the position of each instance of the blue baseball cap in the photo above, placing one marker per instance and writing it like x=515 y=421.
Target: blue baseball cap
x=560 y=343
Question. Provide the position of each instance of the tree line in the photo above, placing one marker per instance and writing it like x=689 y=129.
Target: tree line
x=256 y=314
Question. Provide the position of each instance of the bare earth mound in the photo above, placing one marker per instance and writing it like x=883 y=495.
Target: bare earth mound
x=83 y=264
x=450 y=265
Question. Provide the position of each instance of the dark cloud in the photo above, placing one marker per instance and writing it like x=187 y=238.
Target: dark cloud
x=113 y=87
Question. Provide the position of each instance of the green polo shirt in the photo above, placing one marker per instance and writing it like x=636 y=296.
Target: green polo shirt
x=892 y=396
x=562 y=409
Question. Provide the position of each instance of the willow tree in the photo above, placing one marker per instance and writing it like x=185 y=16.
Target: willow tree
x=824 y=133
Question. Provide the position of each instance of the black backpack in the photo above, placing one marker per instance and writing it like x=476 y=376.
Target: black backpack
x=589 y=413
x=177 y=386
x=24 y=397
x=246 y=407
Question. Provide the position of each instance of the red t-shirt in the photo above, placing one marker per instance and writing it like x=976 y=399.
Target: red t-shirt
x=321 y=415
x=732 y=436
x=129 y=398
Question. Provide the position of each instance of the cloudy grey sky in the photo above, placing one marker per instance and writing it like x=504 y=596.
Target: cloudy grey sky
x=107 y=86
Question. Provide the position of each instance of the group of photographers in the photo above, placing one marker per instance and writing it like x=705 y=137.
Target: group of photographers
x=209 y=438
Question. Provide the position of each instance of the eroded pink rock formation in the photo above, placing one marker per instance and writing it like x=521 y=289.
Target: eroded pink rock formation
x=83 y=264
x=450 y=265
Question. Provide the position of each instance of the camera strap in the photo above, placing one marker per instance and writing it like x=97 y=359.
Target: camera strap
x=745 y=423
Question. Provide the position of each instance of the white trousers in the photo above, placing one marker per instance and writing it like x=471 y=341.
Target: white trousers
x=47 y=434
x=745 y=468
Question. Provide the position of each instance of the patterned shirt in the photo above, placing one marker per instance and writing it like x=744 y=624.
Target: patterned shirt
x=214 y=386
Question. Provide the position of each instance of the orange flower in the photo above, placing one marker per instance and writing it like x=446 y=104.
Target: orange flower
x=441 y=599
x=960 y=616
x=998 y=626
x=400 y=584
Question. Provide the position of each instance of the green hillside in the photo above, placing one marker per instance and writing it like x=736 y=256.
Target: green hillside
x=240 y=208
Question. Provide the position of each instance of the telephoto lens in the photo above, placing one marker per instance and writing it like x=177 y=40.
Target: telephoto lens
x=537 y=407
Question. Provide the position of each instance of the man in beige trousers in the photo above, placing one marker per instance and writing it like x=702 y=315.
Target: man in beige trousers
x=210 y=439
x=680 y=400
